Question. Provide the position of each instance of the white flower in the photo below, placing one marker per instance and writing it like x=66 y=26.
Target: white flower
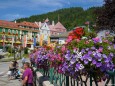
x=81 y=67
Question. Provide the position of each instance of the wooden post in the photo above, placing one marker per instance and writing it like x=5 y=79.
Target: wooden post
x=67 y=80
x=90 y=79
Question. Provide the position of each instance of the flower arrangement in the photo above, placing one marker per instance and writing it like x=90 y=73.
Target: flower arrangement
x=76 y=34
x=79 y=57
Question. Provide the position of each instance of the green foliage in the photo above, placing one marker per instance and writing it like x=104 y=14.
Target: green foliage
x=26 y=50
x=91 y=34
x=9 y=50
x=106 y=15
x=69 y=17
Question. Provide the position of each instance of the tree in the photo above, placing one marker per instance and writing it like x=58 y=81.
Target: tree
x=106 y=16
x=69 y=17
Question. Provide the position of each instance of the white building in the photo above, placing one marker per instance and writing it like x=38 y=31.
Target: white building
x=48 y=29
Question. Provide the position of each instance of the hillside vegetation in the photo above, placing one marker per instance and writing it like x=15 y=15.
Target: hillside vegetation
x=69 y=17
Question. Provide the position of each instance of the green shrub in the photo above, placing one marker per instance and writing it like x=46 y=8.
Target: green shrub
x=26 y=50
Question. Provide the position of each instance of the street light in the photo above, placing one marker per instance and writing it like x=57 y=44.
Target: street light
x=14 y=53
x=21 y=44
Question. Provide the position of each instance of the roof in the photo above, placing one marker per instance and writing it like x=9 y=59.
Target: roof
x=29 y=24
x=59 y=26
x=47 y=20
x=52 y=28
x=8 y=24
x=12 y=25
x=63 y=35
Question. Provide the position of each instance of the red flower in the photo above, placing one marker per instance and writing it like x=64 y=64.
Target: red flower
x=76 y=34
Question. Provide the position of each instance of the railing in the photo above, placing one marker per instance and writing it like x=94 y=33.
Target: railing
x=59 y=79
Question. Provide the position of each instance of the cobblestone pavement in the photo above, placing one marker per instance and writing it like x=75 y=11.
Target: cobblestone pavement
x=4 y=81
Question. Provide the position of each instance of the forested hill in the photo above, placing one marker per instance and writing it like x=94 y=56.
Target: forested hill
x=69 y=17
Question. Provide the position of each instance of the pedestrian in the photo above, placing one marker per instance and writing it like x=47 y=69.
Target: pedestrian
x=23 y=61
x=27 y=77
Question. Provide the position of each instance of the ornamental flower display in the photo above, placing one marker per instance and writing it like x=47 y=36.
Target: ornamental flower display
x=79 y=57
x=76 y=34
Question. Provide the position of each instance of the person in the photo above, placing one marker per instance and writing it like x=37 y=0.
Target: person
x=27 y=77
x=13 y=68
x=23 y=61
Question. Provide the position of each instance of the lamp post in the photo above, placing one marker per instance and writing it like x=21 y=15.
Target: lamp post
x=14 y=53
x=21 y=44
x=3 y=42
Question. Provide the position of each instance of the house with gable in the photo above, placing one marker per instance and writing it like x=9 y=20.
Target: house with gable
x=48 y=29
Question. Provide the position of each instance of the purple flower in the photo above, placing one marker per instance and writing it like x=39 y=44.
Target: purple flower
x=68 y=51
x=83 y=50
x=87 y=49
x=96 y=40
x=90 y=58
x=104 y=56
x=68 y=56
x=98 y=64
x=114 y=46
x=99 y=54
x=77 y=67
x=107 y=60
x=73 y=61
x=93 y=48
x=94 y=62
x=85 y=61
x=111 y=54
x=89 y=52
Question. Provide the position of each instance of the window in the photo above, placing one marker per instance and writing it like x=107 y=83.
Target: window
x=3 y=30
x=16 y=31
x=12 y=31
x=9 y=31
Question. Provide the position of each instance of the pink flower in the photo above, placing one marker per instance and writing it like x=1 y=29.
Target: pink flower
x=77 y=40
x=63 y=48
x=87 y=42
x=96 y=40
x=107 y=33
x=106 y=41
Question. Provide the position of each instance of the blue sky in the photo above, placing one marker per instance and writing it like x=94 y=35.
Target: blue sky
x=13 y=9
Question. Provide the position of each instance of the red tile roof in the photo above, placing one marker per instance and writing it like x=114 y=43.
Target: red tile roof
x=12 y=25
x=8 y=24
x=29 y=24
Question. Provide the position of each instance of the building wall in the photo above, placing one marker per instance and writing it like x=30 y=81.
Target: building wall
x=62 y=40
x=45 y=31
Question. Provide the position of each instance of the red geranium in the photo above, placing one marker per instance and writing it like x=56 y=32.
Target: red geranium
x=76 y=34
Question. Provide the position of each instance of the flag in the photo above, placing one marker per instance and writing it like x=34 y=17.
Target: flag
x=12 y=41
x=48 y=39
x=25 y=41
x=3 y=38
x=41 y=39
x=87 y=22
x=34 y=42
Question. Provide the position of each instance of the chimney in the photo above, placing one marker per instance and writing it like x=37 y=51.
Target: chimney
x=53 y=24
x=40 y=24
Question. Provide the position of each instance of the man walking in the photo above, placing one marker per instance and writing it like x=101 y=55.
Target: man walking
x=27 y=78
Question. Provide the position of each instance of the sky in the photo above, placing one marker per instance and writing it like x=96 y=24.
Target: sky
x=14 y=9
